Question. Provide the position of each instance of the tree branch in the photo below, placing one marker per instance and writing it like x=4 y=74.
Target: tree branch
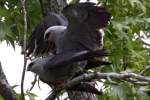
x=129 y=77
x=137 y=83
x=5 y=89
x=52 y=6
x=145 y=70
x=146 y=43
x=54 y=94
x=24 y=47
x=119 y=76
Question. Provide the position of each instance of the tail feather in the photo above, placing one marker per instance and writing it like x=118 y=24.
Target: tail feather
x=94 y=63
x=85 y=87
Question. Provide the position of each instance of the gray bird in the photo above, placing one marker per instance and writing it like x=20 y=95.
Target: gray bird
x=75 y=29
x=85 y=19
x=56 y=76
x=64 y=35
x=82 y=32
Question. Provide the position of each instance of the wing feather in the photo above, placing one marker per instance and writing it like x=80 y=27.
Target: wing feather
x=37 y=45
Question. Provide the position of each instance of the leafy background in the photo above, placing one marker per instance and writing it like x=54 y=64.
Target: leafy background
x=124 y=36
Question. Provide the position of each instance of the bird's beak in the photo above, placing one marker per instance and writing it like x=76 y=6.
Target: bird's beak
x=28 y=69
x=30 y=66
x=46 y=36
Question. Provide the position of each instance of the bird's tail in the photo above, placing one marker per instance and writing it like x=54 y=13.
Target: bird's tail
x=85 y=87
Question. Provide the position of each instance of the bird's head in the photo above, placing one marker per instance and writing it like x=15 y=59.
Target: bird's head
x=52 y=33
x=36 y=66
x=30 y=66
x=48 y=34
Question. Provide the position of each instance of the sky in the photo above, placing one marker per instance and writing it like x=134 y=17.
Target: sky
x=12 y=63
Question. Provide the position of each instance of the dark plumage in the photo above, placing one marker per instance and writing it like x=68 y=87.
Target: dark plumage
x=82 y=22
x=37 y=45
x=72 y=37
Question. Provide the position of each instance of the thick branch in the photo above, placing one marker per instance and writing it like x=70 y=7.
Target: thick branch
x=129 y=77
x=121 y=76
x=146 y=43
x=5 y=89
x=52 y=6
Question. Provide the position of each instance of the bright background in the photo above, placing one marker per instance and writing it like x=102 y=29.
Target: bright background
x=12 y=63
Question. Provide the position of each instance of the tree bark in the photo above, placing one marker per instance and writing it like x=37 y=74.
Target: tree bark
x=5 y=89
x=52 y=6
x=57 y=6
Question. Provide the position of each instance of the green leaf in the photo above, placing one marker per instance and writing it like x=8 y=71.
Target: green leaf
x=31 y=95
x=147 y=20
x=3 y=30
x=138 y=3
x=104 y=97
x=1 y=98
x=14 y=86
x=142 y=95
x=123 y=91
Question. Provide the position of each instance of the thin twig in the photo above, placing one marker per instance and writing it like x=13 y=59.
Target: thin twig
x=24 y=47
x=110 y=80
x=145 y=70
x=54 y=94
x=34 y=81
x=135 y=82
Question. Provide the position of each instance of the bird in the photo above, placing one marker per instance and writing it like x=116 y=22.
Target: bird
x=36 y=45
x=81 y=33
x=57 y=76
x=75 y=31
x=77 y=26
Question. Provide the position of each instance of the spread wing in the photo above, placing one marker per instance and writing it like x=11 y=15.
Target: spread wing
x=88 y=13
x=68 y=58
x=37 y=45
x=85 y=20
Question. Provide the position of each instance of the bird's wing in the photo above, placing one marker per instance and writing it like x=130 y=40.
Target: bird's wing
x=93 y=16
x=94 y=63
x=85 y=19
x=36 y=44
x=71 y=57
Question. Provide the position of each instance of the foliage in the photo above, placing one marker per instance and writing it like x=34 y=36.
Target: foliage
x=30 y=95
x=11 y=28
x=130 y=22
x=123 y=36
x=1 y=98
